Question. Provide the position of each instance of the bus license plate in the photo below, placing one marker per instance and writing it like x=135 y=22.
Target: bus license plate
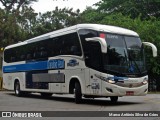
x=129 y=93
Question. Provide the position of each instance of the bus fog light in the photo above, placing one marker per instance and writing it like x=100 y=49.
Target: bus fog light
x=109 y=90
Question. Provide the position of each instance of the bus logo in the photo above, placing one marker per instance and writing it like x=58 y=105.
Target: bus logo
x=72 y=63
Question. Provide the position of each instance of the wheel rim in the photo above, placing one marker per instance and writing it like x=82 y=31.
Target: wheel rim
x=17 y=89
x=74 y=91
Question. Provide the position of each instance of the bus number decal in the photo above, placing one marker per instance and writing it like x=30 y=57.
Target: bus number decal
x=56 y=64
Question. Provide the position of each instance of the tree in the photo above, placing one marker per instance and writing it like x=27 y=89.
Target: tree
x=9 y=29
x=91 y=15
x=56 y=19
x=11 y=19
x=145 y=8
x=11 y=5
x=27 y=19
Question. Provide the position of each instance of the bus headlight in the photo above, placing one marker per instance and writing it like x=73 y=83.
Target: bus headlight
x=145 y=82
x=111 y=81
x=105 y=79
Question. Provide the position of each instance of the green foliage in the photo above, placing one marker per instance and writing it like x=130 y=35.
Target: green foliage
x=91 y=15
x=9 y=29
x=15 y=22
x=133 y=8
x=21 y=24
x=15 y=5
x=56 y=19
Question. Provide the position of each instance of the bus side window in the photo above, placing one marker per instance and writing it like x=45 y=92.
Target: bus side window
x=22 y=57
x=74 y=50
x=36 y=55
x=7 y=55
x=51 y=49
x=43 y=53
x=86 y=33
x=29 y=56
x=72 y=45
x=13 y=59
x=56 y=46
x=94 y=56
x=63 y=50
x=92 y=50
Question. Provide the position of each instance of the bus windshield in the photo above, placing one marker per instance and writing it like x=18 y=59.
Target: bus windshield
x=124 y=55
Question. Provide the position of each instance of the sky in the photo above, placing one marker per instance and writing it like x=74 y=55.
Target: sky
x=49 y=5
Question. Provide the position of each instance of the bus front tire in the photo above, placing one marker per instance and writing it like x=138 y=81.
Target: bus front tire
x=78 y=93
x=114 y=99
x=17 y=89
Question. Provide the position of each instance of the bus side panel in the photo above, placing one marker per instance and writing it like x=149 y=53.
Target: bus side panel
x=74 y=69
x=9 y=79
x=75 y=74
x=58 y=80
x=95 y=83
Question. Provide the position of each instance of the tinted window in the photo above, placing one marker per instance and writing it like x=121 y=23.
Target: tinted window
x=67 y=45
x=85 y=33
x=116 y=52
x=41 y=50
x=92 y=50
x=133 y=42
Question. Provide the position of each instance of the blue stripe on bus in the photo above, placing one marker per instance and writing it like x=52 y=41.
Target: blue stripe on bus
x=36 y=65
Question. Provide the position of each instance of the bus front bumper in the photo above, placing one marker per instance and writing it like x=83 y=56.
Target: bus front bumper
x=115 y=90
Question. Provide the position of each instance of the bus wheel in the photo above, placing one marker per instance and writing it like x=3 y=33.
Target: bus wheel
x=77 y=93
x=114 y=99
x=46 y=94
x=17 y=90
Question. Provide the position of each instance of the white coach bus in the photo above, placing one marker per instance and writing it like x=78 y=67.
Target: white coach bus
x=87 y=60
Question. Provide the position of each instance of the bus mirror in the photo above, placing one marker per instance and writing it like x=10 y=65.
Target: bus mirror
x=101 y=41
x=154 y=48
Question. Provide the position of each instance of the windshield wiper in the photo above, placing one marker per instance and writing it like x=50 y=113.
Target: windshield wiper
x=126 y=58
x=115 y=72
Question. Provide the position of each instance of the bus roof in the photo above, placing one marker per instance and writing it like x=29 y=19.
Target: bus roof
x=98 y=27
x=108 y=28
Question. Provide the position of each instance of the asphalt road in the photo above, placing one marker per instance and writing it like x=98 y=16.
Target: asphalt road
x=34 y=102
